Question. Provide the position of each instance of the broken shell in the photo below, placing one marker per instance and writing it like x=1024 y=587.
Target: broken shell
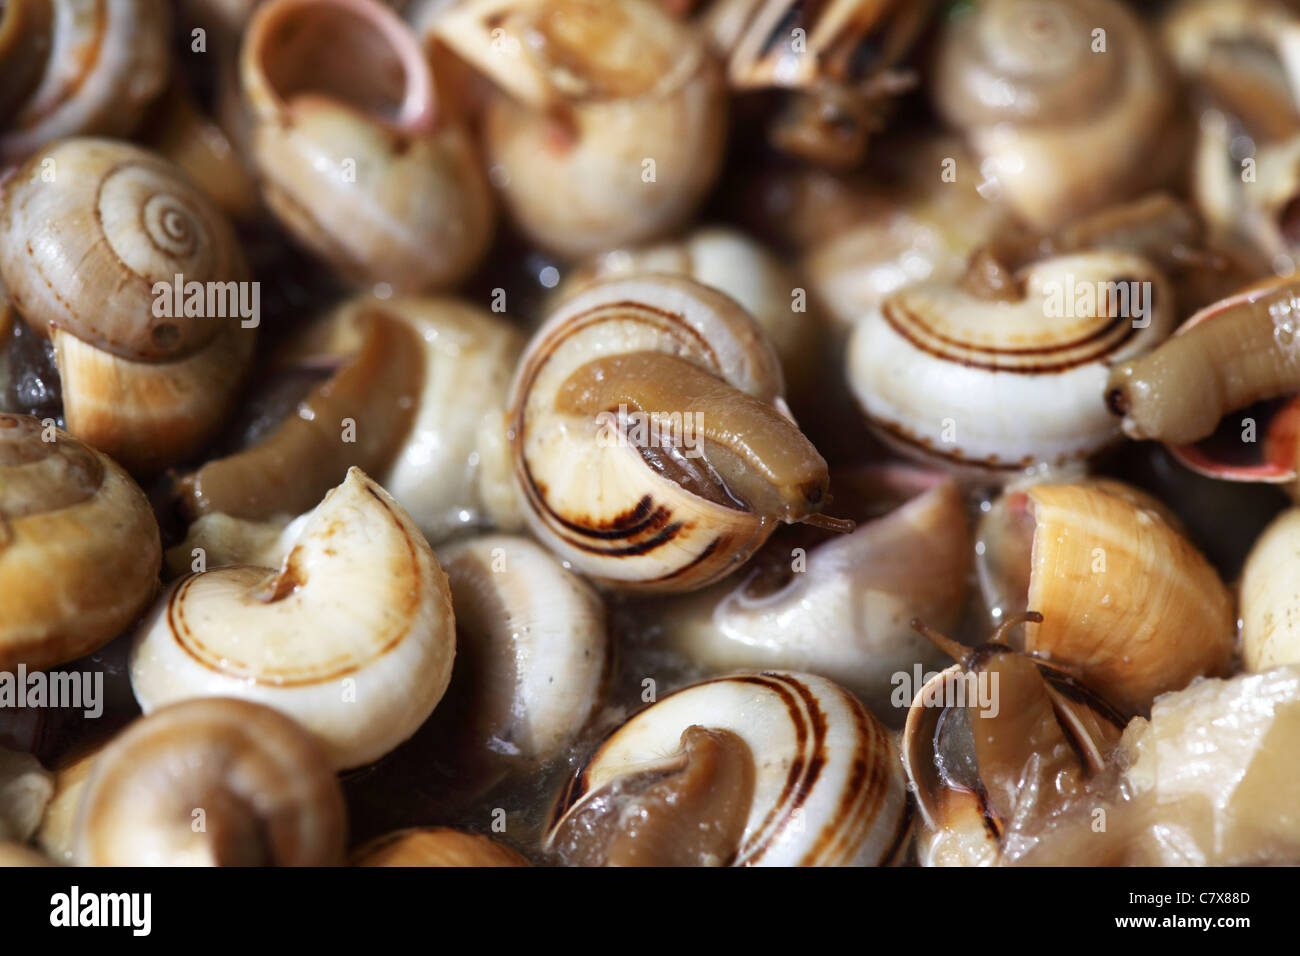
x=531 y=652
x=1228 y=356
x=435 y=846
x=1061 y=127
x=352 y=636
x=612 y=122
x=733 y=263
x=1135 y=610
x=842 y=59
x=993 y=383
x=1214 y=774
x=762 y=769
x=25 y=791
x=844 y=611
x=352 y=159
x=78 y=67
x=79 y=546
x=996 y=745
x=212 y=782
x=90 y=257
x=1270 y=597
x=679 y=505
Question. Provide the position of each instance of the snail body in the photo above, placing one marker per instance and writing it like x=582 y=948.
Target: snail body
x=79 y=546
x=729 y=462
x=78 y=67
x=739 y=752
x=361 y=168
x=82 y=257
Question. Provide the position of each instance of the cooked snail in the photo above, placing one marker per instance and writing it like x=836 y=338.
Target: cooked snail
x=78 y=67
x=842 y=608
x=352 y=635
x=1066 y=103
x=756 y=769
x=102 y=248
x=1135 y=610
x=610 y=121
x=435 y=846
x=355 y=154
x=212 y=782
x=1003 y=370
x=79 y=546
x=678 y=505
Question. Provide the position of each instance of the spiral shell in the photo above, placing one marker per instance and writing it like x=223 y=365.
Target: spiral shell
x=614 y=126
x=827 y=785
x=994 y=386
x=93 y=237
x=626 y=354
x=259 y=782
x=78 y=67
x=352 y=159
x=79 y=546
x=1063 y=101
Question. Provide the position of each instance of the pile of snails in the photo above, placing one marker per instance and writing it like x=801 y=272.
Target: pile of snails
x=649 y=432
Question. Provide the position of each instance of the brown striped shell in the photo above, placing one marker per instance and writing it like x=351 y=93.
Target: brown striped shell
x=827 y=786
x=653 y=514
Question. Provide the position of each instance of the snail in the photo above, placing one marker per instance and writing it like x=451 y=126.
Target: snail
x=1227 y=357
x=352 y=635
x=531 y=657
x=650 y=442
x=356 y=155
x=435 y=846
x=1003 y=370
x=730 y=262
x=842 y=61
x=211 y=782
x=841 y=607
x=610 y=122
x=93 y=235
x=25 y=790
x=415 y=393
x=1213 y=776
x=78 y=67
x=1270 y=600
x=755 y=769
x=1065 y=103
x=1136 y=610
x=18 y=854
x=79 y=546
x=996 y=745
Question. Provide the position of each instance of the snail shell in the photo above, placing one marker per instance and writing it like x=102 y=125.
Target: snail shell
x=25 y=791
x=1132 y=608
x=993 y=386
x=78 y=67
x=263 y=786
x=1061 y=127
x=845 y=612
x=1270 y=599
x=822 y=776
x=352 y=158
x=81 y=254
x=730 y=261
x=352 y=636
x=79 y=546
x=435 y=846
x=655 y=347
x=615 y=119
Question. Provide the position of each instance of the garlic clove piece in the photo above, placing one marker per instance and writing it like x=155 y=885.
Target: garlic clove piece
x=353 y=635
